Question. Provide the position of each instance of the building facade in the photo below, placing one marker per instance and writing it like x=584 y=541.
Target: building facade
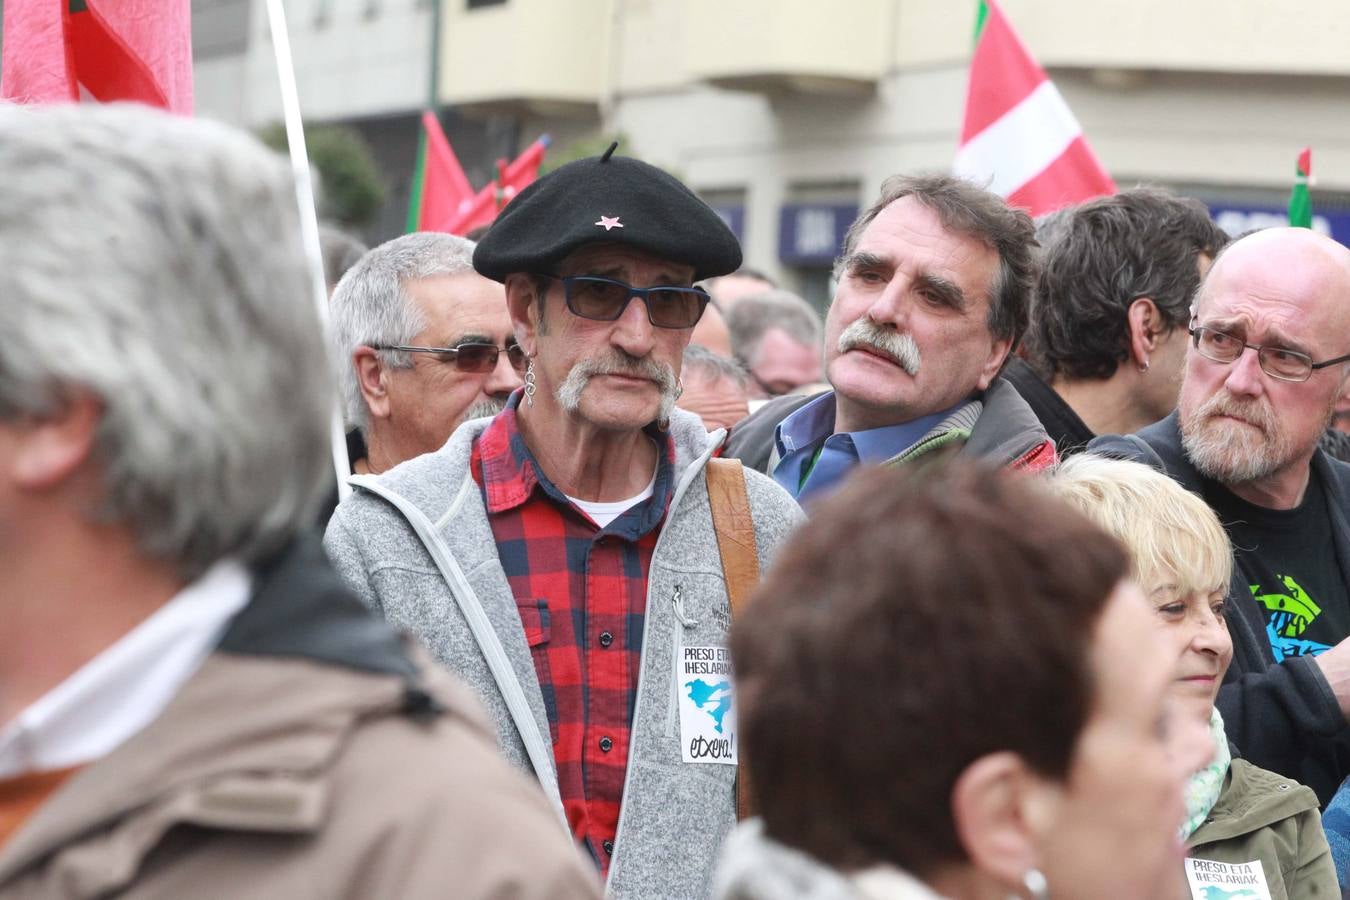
x=788 y=114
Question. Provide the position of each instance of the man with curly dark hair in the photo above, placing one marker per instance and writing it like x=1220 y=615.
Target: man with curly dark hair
x=1107 y=334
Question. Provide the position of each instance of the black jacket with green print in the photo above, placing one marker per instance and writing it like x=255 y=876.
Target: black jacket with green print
x=1281 y=716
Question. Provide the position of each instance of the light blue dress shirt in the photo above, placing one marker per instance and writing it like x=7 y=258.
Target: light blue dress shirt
x=807 y=435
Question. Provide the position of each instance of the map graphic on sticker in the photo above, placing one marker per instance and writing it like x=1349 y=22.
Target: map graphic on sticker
x=703 y=695
x=1213 y=880
x=706 y=698
x=1213 y=892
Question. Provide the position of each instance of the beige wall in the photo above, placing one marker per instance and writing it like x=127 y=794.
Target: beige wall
x=544 y=51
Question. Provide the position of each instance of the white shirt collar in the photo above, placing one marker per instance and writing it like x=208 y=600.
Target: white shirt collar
x=127 y=686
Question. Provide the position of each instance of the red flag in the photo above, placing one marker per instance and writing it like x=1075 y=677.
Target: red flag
x=441 y=192
x=511 y=180
x=68 y=50
x=1019 y=135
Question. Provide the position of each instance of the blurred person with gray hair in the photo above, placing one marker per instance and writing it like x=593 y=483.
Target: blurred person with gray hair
x=775 y=335
x=340 y=251
x=190 y=701
x=711 y=331
x=728 y=290
x=714 y=388
x=423 y=343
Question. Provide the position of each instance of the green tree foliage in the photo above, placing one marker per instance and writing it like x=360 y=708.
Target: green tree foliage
x=350 y=188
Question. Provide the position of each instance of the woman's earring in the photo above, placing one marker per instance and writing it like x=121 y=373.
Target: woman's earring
x=1037 y=888
x=530 y=386
x=679 y=388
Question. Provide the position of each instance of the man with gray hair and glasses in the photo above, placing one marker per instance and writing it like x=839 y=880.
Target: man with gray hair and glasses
x=1265 y=366
x=423 y=343
x=191 y=703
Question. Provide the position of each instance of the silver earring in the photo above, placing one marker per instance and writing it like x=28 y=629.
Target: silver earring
x=679 y=388
x=1144 y=367
x=1036 y=885
x=530 y=386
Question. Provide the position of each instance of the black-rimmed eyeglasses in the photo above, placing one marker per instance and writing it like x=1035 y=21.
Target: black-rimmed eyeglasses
x=471 y=357
x=1277 y=362
x=604 y=300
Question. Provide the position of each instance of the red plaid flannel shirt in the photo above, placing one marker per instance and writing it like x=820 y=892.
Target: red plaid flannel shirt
x=581 y=592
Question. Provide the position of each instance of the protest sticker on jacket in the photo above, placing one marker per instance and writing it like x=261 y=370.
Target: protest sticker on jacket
x=1226 y=881
x=707 y=714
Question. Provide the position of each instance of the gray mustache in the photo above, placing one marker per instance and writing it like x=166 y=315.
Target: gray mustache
x=647 y=368
x=867 y=334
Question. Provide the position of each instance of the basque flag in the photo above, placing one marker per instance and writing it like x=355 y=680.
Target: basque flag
x=1019 y=135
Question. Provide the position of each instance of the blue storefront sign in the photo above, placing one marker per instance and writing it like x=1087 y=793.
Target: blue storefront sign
x=812 y=234
x=1237 y=220
x=733 y=214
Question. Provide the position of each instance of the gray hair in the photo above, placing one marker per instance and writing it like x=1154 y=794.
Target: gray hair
x=371 y=304
x=751 y=317
x=155 y=261
x=340 y=251
x=966 y=208
x=712 y=365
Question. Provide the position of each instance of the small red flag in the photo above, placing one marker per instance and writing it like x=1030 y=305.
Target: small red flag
x=441 y=190
x=511 y=180
x=105 y=50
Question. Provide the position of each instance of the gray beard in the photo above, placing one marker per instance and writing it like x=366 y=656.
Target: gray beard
x=484 y=409
x=1230 y=453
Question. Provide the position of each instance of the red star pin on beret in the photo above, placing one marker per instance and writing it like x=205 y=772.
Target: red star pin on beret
x=610 y=222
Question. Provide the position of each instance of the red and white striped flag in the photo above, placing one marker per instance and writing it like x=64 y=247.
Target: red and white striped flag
x=1019 y=135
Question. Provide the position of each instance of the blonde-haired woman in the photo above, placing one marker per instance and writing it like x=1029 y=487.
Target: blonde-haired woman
x=1245 y=825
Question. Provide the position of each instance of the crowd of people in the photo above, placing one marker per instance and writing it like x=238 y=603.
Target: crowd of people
x=1024 y=572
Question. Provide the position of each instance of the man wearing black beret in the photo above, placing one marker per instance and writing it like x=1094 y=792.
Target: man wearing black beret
x=567 y=558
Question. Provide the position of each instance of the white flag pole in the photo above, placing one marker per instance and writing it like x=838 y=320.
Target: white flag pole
x=309 y=224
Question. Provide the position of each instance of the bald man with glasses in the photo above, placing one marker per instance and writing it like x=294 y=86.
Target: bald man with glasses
x=1264 y=369
x=425 y=344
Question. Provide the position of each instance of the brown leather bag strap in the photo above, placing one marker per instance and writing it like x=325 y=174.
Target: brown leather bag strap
x=735 y=531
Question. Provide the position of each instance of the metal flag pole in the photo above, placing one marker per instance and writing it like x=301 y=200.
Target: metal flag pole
x=309 y=223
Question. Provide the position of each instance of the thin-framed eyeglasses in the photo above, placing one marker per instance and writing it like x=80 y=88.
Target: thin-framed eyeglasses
x=1277 y=362
x=604 y=300
x=471 y=357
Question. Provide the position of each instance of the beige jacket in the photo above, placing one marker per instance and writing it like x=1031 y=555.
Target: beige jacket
x=322 y=772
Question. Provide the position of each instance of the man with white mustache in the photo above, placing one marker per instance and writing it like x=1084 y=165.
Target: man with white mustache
x=933 y=288
x=1266 y=365
x=565 y=558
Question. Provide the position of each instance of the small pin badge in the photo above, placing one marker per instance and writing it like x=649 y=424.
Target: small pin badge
x=610 y=222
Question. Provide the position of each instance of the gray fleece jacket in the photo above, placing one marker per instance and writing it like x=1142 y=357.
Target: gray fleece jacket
x=416 y=545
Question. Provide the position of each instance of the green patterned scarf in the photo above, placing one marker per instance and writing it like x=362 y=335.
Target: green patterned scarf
x=1203 y=790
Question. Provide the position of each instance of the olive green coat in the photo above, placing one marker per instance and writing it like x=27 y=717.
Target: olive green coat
x=1264 y=816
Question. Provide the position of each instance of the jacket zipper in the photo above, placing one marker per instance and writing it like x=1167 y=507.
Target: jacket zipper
x=697 y=466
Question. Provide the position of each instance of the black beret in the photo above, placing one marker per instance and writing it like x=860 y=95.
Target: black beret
x=606 y=198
